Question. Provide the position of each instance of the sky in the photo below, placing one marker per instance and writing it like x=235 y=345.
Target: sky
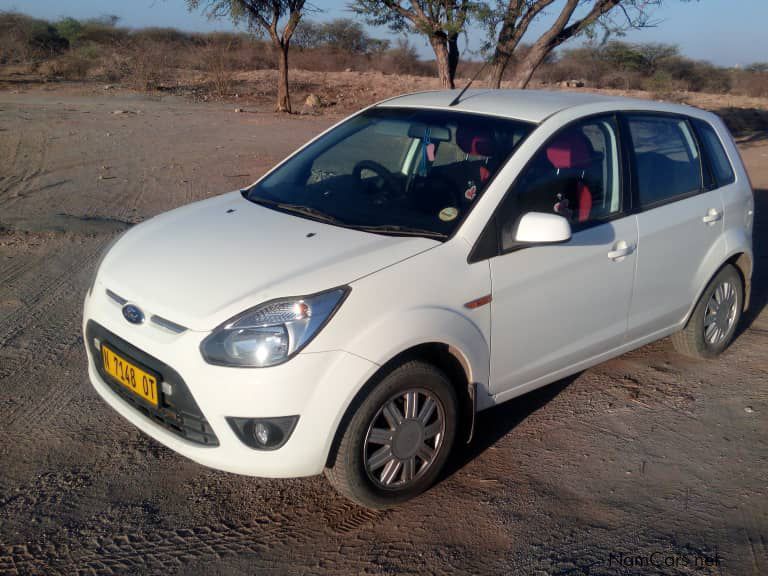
x=725 y=32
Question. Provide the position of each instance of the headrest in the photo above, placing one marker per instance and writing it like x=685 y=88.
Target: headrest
x=569 y=150
x=474 y=142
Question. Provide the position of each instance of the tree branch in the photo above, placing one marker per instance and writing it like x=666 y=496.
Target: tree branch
x=293 y=20
x=516 y=22
x=600 y=8
x=545 y=40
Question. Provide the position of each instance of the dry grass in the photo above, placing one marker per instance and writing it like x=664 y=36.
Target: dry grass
x=221 y=65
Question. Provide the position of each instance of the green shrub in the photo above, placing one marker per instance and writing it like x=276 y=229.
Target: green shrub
x=70 y=29
x=339 y=35
x=25 y=39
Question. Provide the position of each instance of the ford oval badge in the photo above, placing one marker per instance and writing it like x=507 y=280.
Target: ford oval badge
x=133 y=314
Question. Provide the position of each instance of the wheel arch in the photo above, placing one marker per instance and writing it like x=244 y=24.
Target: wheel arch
x=448 y=358
x=743 y=264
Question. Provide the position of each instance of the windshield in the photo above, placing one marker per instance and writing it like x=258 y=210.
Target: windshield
x=394 y=171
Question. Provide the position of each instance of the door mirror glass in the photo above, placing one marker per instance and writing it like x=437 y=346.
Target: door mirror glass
x=542 y=228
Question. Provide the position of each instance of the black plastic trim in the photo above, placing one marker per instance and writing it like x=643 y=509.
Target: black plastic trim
x=487 y=245
x=177 y=413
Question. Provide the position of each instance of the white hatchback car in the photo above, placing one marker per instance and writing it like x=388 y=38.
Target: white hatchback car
x=423 y=260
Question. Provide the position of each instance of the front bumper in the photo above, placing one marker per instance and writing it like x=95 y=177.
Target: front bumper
x=317 y=387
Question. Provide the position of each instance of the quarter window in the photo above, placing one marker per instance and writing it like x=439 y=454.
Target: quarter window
x=668 y=163
x=576 y=175
x=713 y=148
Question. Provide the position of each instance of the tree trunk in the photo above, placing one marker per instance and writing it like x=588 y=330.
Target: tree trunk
x=440 y=46
x=498 y=66
x=526 y=66
x=453 y=57
x=283 y=98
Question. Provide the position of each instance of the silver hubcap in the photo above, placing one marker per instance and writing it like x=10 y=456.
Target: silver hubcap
x=404 y=438
x=720 y=314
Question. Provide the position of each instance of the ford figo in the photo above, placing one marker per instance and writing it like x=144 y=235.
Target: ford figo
x=356 y=309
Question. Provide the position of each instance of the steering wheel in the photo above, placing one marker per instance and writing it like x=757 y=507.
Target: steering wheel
x=386 y=185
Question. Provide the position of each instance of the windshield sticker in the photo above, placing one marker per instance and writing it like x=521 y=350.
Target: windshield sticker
x=317 y=175
x=470 y=193
x=448 y=214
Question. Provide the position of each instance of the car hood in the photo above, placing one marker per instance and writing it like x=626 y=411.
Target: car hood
x=201 y=264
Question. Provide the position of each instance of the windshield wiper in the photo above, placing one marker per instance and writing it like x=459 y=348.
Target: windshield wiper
x=396 y=230
x=313 y=213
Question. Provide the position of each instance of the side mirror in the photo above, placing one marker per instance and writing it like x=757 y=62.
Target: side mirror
x=542 y=228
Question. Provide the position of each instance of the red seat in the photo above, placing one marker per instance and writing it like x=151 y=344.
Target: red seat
x=474 y=142
x=571 y=150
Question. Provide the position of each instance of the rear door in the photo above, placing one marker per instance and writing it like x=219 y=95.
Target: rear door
x=679 y=221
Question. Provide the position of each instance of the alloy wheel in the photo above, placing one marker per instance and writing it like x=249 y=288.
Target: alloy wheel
x=720 y=313
x=404 y=438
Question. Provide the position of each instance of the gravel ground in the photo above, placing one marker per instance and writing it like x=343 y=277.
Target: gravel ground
x=649 y=463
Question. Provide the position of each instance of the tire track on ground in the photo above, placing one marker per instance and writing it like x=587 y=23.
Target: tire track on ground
x=8 y=181
x=51 y=401
x=47 y=294
x=55 y=322
x=153 y=549
x=17 y=267
x=29 y=251
x=26 y=178
x=32 y=364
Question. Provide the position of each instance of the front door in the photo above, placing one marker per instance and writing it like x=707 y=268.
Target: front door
x=556 y=305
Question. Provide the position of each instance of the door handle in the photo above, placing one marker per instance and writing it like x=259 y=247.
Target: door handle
x=620 y=250
x=713 y=215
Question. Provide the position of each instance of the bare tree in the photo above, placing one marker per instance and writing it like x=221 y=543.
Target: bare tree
x=509 y=21
x=264 y=16
x=441 y=21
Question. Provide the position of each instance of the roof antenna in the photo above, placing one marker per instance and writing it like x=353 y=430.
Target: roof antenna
x=458 y=98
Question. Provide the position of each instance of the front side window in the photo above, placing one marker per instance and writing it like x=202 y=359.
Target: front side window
x=668 y=163
x=713 y=147
x=576 y=175
x=395 y=170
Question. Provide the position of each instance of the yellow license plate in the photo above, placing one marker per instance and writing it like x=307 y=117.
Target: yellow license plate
x=130 y=375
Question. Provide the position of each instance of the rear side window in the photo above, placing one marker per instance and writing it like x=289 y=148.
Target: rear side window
x=713 y=148
x=668 y=163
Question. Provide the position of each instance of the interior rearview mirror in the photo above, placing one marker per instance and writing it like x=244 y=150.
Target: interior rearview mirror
x=542 y=228
x=435 y=133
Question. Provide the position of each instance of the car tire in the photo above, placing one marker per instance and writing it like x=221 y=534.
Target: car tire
x=712 y=325
x=389 y=451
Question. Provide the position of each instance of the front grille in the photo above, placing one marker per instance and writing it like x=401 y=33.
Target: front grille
x=155 y=319
x=177 y=413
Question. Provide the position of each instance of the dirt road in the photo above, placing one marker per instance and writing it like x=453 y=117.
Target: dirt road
x=647 y=459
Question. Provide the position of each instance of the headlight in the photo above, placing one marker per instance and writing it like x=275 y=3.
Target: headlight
x=104 y=252
x=271 y=332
